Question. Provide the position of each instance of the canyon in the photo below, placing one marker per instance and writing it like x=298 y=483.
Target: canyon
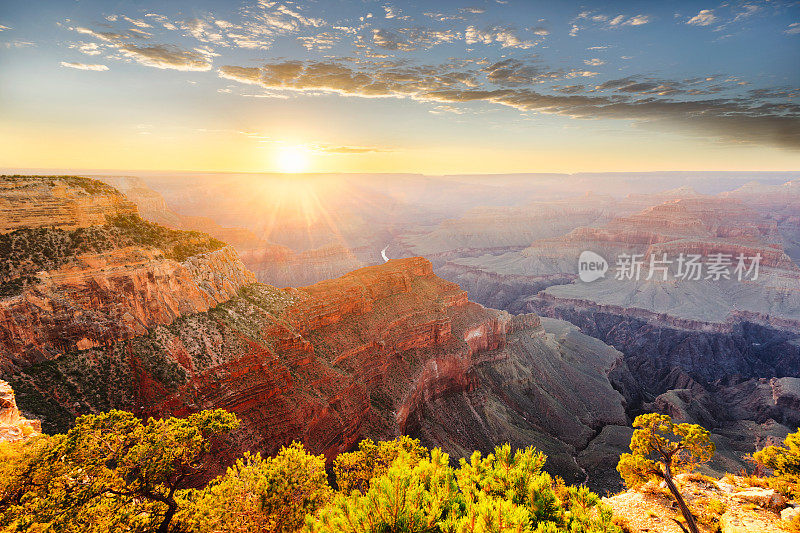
x=130 y=314
x=723 y=353
x=384 y=350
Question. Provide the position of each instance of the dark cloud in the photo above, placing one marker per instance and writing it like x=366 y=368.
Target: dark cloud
x=720 y=118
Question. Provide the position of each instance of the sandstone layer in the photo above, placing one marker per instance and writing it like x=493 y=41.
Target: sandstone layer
x=379 y=352
x=66 y=202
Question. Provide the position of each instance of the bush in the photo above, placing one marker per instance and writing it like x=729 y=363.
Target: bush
x=269 y=495
x=784 y=461
x=355 y=470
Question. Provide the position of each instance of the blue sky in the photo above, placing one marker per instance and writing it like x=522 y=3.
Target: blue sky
x=485 y=86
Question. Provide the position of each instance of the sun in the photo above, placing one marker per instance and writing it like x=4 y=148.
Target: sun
x=292 y=159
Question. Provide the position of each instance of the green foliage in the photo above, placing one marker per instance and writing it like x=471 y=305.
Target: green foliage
x=661 y=449
x=110 y=472
x=784 y=462
x=269 y=495
x=113 y=473
x=413 y=495
x=355 y=470
x=660 y=446
x=175 y=244
x=503 y=492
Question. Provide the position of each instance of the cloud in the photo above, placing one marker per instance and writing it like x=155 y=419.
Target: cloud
x=441 y=109
x=202 y=30
x=166 y=57
x=17 y=44
x=90 y=49
x=594 y=62
x=730 y=120
x=409 y=39
x=158 y=56
x=513 y=72
x=390 y=40
x=251 y=75
x=793 y=29
x=616 y=21
x=84 y=66
x=703 y=18
x=506 y=37
x=2 y=28
x=347 y=150
x=608 y=22
x=638 y=20
x=320 y=41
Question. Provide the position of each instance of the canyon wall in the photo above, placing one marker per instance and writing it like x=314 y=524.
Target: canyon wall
x=379 y=352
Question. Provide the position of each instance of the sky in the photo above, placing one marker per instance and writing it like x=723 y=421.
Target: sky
x=494 y=86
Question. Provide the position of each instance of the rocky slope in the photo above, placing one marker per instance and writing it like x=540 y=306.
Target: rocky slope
x=65 y=202
x=727 y=505
x=98 y=273
x=13 y=425
x=724 y=353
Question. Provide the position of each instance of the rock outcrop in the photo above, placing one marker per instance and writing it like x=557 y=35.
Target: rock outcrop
x=96 y=273
x=727 y=505
x=98 y=299
x=65 y=202
x=14 y=426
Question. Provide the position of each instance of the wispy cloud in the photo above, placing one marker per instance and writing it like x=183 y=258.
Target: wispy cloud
x=506 y=37
x=705 y=17
x=84 y=66
x=166 y=57
x=17 y=43
x=160 y=56
x=347 y=150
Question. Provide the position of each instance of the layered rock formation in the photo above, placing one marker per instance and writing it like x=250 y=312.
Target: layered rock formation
x=376 y=353
x=702 y=350
x=780 y=203
x=70 y=286
x=65 y=202
x=283 y=267
x=13 y=425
